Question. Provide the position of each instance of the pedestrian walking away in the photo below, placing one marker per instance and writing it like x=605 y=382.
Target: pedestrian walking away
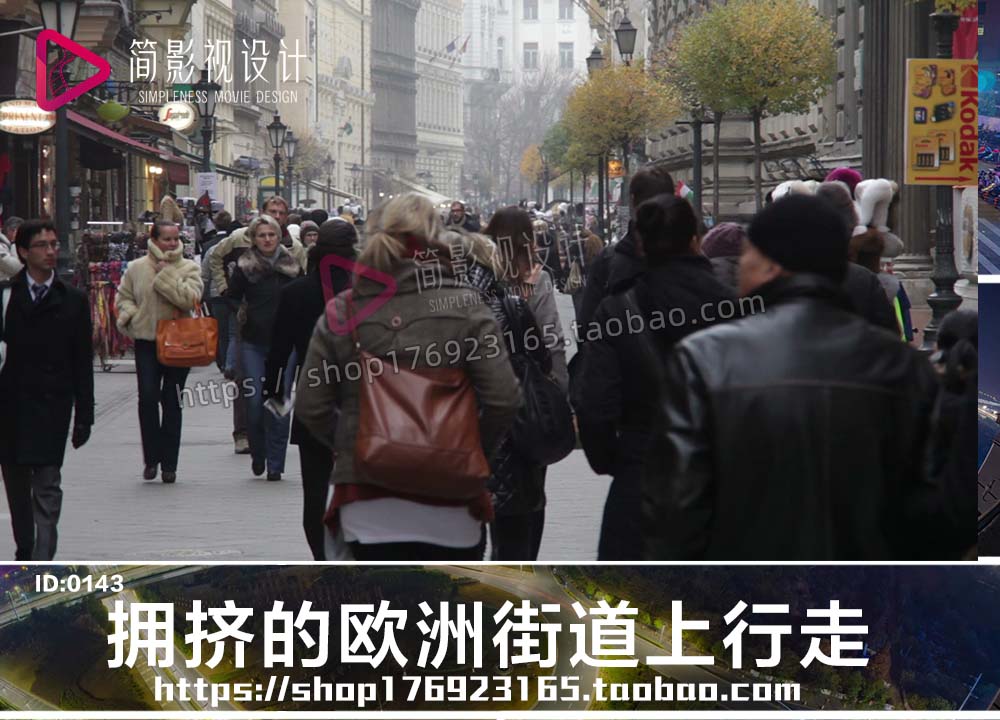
x=260 y=274
x=160 y=286
x=374 y=515
x=817 y=447
x=614 y=394
x=47 y=379
x=516 y=534
x=300 y=305
x=620 y=264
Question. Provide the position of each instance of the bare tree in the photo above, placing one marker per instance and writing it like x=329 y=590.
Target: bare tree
x=523 y=115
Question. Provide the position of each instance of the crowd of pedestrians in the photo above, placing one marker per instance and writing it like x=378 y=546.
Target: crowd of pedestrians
x=752 y=391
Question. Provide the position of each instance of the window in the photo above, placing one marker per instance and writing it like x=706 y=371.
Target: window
x=566 y=56
x=530 y=56
x=565 y=9
x=530 y=9
x=500 y=53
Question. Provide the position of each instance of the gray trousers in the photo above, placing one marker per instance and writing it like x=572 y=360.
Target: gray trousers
x=35 y=501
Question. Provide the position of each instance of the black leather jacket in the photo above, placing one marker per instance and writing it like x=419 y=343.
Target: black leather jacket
x=799 y=433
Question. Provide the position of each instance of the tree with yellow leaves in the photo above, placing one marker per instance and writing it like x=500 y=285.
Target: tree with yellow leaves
x=532 y=166
x=617 y=106
x=761 y=57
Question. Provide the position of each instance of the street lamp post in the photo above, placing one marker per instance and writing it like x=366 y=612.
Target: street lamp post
x=206 y=94
x=625 y=35
x=61 y=16
x=331 y=165
x=595 y=61
x=291 y=142
x=944 y=299
x=696 y=122
x=355 y=175
x=276 y=134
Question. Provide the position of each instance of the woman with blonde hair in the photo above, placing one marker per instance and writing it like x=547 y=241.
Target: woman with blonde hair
x=430 y=321
x=261 y=272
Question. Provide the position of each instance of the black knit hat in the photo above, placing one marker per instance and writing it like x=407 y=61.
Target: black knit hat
x=803 y=234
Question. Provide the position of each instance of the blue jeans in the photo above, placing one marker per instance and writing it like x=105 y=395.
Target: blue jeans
x=267 y=433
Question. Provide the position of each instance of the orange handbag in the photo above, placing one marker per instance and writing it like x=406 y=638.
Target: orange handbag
x=187 y=341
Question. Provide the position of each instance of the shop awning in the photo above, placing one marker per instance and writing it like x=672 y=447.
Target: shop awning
x=123 y=140
x=216 y=167
x=435 y=197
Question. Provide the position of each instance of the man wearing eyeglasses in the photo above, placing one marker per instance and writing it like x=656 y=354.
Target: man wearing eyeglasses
x=47 y=378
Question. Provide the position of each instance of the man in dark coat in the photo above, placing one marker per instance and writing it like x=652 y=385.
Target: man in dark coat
x=631 y=336
x=459 y=218
x=797 y=433
x=618 y=265
x=47 y=379
x=300 y=305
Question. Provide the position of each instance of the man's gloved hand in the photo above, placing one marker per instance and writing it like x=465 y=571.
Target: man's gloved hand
x=81 y=434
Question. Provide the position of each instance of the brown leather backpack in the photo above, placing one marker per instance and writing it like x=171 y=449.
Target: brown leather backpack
x=418 y=429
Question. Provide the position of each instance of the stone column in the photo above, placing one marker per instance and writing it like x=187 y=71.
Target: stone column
x=893 y=32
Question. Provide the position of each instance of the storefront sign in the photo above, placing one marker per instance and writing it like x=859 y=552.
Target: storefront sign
x=179 y=116
x=24 y=117
x=942 y=111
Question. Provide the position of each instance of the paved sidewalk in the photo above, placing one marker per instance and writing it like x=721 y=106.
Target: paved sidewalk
x=217 y=510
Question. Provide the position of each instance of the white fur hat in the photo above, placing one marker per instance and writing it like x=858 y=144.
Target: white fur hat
x=792 y=187
x=873 y=198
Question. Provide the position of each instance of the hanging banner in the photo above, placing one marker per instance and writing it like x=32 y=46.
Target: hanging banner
x=942 y=112
x=207 y=183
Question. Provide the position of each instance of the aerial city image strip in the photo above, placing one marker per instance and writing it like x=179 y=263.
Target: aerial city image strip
x=452 y=639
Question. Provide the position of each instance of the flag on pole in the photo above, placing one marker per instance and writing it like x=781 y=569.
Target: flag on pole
x=461 y=51
x=683 y=190
x=452 y=45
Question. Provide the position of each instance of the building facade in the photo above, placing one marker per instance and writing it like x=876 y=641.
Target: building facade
x=535 y=34
x=394 y=78
x=485 y=84
x=440 y=111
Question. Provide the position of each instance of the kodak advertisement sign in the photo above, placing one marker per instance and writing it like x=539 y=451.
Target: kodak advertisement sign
x=942 y=108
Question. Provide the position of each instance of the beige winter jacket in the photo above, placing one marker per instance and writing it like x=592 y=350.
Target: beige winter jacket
x=145 y=296
x=239 y=241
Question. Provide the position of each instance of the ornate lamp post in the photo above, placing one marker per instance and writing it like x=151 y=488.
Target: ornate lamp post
x=355 y=176
x=291 y=142
x=944 y=299
x=595 y=61
x=207 y=95
x=61 y=16
x=625 y=35
x=276 y=134
x=331 y=165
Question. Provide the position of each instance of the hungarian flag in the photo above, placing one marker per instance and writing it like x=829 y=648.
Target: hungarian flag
x=683 y=190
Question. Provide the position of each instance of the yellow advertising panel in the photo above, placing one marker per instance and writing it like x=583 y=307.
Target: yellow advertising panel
x=616 y=169
x=942 y=112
